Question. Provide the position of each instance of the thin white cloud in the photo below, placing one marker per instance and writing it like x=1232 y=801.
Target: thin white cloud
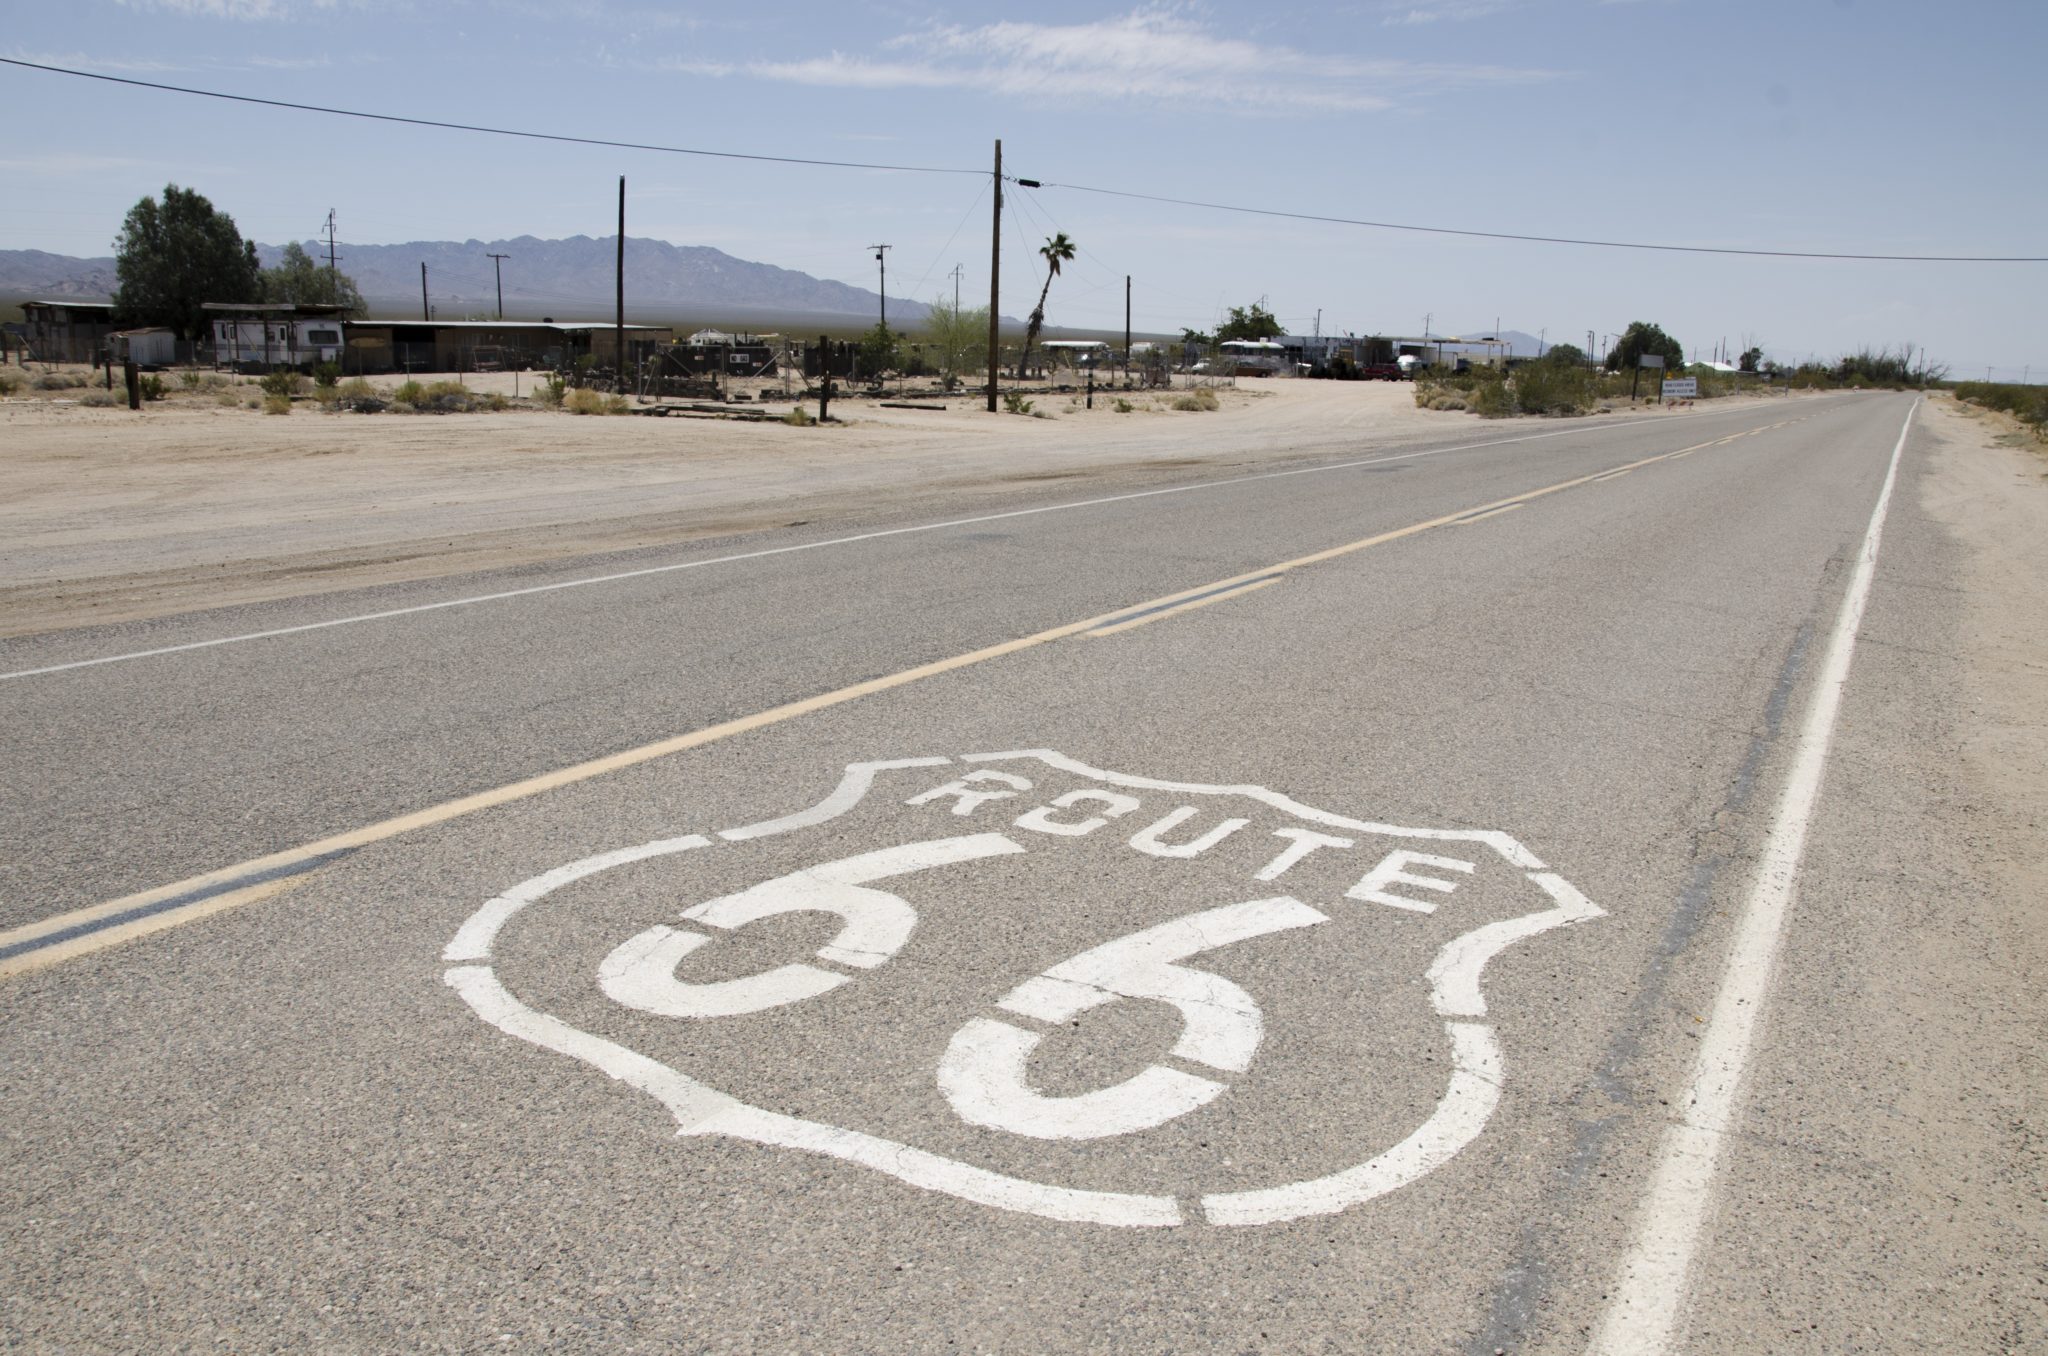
x=245 y=10
x=1147 y=56
x=1445 y=11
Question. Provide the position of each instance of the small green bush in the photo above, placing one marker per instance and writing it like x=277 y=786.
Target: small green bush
x=1202 y=398
x=1013 y=403
x=409 y=392
x=99 y=399
x=583 y=400
x=1122 y=406
x=153 y=387
x=1552 y=388
x=1491 y=400
x=616 y=404
x=549 y=392
x=60 y=381
x=275 y=403
x=9 y=383
x=327 y=375
x=798 y=417
x=285 y=381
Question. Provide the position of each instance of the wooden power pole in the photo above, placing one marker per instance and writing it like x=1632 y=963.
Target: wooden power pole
x=619 y=320
x=995 y=276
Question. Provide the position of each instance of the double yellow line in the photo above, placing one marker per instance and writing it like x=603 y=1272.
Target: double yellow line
x=52 y=941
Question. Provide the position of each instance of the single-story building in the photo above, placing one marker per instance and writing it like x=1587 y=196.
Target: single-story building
x=154 y=346
x=67 y=331
x=491 y=345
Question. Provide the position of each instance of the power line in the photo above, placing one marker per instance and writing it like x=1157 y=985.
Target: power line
x=1554 y=239
x=1029 y=183
x=475 y=127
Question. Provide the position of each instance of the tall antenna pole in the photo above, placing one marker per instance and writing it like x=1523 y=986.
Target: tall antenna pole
x=498 y=268
x=956 y=290
x=995 y=274
x=881 y=257
x=619 y=321
x=1127 y=329
x=426 y=312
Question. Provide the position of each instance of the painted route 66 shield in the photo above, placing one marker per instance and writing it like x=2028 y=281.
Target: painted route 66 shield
x=1041 y=986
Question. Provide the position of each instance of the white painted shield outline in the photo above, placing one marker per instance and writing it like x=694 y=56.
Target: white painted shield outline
x=1468 y=1102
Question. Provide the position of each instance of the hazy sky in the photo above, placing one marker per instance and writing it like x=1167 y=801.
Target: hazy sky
x=1862 y=126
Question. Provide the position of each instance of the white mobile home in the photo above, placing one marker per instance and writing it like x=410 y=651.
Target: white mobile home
x=281 y=335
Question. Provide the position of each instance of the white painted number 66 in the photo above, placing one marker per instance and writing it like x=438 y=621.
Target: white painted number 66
x=983 y=1073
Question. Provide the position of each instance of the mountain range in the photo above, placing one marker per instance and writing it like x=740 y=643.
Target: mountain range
x=566 y=279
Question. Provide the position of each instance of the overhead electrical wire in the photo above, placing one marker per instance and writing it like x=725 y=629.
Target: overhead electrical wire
x=477 y=127
x=1552 y=239
x=1030 y=183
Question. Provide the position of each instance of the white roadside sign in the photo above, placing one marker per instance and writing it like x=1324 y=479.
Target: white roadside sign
x=1041 y=986
x=1676 y=388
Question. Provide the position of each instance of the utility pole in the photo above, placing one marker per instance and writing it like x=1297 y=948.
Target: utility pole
x=1589 y=350
x=956 y=292
x=498 y=268
x=1127 y=329
x=619 y=318
x=426 y=312
x=331 y=275
x=1425 y=323
x=882 y=258
x=995 y=274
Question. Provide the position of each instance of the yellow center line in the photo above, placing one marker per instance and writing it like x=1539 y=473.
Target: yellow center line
x=1490 y=513
x=230 y=887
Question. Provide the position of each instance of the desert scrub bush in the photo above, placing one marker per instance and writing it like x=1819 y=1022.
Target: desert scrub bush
x=1122 y=406
x=360 y=397
x=60 y=381
x=549 y=392
x=227 y=400
x=1013 y=403
x=153 y=387
x=1492 y=400
x=798 y=417
x=444 y=397
x=275 y=403
x=409 y=392
x=495 y=402
x=616 y=404
x=1200 y=399
x=9 y=383
x=285 y=381
x=98 y=399
x=583 y=400
x=1552 y=388
x=2028 y=404
x=327 y=375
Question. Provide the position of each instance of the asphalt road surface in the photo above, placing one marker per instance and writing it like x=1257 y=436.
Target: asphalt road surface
x=1488 y=895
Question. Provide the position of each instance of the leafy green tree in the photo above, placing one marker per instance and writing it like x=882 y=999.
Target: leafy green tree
x=1642 y=337
x=298 y=279
x=879 y=351
x=1249 y=322
x=957 y=335
x=1057 y=250
x=1565 y=355
x=1197 y=338
x=1751 y=357
x=174 y=256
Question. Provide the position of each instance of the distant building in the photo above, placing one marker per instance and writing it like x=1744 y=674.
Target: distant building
x=67 y=331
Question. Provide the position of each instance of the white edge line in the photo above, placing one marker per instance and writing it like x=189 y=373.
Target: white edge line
x=1651 y=1288
x=786 y=550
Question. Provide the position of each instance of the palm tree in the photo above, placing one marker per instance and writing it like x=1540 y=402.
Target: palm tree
x=1057 y=250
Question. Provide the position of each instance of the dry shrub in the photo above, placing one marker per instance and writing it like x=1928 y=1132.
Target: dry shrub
x=99 y=399
x=277 y=404
x=1200 y=399
x=583 y=400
